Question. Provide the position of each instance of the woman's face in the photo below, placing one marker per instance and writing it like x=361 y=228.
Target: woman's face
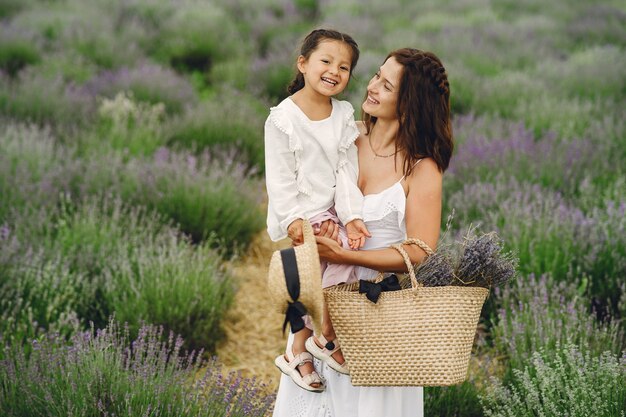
x=382 y=91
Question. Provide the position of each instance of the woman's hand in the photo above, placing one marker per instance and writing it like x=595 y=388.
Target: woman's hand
x=329 y=229
x=329 y=250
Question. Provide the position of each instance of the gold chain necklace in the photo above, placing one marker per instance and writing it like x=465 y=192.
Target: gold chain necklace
x=369 y=140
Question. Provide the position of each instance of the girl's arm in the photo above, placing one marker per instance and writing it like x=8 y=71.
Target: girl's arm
x=348 y=197
x=280 y=179
x=423 y=220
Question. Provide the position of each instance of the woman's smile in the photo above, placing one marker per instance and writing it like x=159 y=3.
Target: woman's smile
x=372 y=100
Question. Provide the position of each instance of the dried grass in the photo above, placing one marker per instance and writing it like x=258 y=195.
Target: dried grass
x=253 y=329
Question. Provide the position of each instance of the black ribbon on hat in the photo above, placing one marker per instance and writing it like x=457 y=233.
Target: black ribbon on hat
x=373 y=290
x=295 y=310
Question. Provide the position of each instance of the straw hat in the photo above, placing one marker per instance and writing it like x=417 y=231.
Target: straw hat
x=295 y=281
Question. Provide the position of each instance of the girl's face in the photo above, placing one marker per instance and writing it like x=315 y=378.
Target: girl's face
x=382 y=91
x=327 y=70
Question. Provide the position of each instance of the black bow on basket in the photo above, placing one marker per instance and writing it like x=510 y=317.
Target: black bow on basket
x=373 y=290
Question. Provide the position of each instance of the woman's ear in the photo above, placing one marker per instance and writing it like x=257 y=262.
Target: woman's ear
x=301 y=64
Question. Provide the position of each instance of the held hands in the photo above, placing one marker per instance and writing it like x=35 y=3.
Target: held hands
x=357 y=232
x=294 y=231
x=329 y=229
x=329 y=249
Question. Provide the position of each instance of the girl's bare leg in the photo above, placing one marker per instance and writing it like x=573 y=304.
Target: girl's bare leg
x=329 y=333
x=299 y=338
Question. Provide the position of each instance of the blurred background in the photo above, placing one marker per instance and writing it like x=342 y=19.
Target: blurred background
x=132 y=199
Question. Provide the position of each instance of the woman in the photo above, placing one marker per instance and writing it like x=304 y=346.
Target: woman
x=404 y=147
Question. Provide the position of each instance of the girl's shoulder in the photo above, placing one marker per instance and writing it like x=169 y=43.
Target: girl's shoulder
x=344 y=114
x=282 y=116
x=344 y=107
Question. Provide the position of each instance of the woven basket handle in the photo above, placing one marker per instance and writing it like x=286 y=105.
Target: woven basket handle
x=407 y=260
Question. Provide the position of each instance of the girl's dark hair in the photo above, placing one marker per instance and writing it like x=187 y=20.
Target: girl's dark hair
x=310 y=44
x=423 y=109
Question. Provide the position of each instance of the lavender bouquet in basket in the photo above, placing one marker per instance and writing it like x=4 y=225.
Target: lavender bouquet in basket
x=479 y=260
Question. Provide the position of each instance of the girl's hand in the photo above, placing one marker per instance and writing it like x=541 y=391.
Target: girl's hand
x=329 y=249
x=357 y=232
x=329 y=229
x=294 y=231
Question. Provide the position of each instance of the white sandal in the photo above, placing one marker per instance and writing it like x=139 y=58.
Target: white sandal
x=325 y=355
x=289 y=367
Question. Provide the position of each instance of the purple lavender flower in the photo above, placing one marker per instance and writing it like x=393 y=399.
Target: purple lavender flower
x=148 y=82
x=154 y=383
x=5 y=232
x=435 y=271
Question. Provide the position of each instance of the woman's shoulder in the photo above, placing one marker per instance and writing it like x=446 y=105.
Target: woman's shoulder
x=425 y=181
x=426 y=172
x=426 y=164
x=361 y=126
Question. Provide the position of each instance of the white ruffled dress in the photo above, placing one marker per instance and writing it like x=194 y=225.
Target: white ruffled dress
x=310 y=166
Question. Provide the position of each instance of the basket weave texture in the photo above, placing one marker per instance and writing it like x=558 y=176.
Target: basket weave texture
x=417 y=336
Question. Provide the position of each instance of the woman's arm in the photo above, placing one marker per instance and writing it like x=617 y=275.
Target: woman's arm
x=381 y=259
x=423 y=220
x=423 y=207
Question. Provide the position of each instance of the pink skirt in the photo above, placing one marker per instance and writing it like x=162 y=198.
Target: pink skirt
x=333 y=274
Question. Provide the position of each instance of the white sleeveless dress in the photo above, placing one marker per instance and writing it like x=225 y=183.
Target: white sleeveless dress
x=383 y=214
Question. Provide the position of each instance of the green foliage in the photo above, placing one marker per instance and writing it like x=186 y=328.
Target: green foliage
x=597 y=24
x=106 y=372
x=69 y=66
x=226 y=120
x=206 y=196
x=455 y=401
x=550 y=234
x=100 y=258
x=275 y=81
x=195 y=37
x=233 y=73
x=591 y=73
x=44 y=99
x=564 y=382
x=309 y=8
x=541 y=314
x=39 y=294
x=150 y=83
x=16 y=55
x=129 y=126
x=30 y=175
x=9 y=8
x=202 y=204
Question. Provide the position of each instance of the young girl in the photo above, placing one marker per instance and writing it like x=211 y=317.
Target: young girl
x=311 y=168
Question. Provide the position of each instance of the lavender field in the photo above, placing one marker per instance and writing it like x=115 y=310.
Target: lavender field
x=131 y=175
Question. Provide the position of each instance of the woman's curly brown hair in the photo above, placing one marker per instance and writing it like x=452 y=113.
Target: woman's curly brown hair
x=423 y=109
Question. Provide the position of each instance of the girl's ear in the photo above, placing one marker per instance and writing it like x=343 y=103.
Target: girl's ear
x=301 y=64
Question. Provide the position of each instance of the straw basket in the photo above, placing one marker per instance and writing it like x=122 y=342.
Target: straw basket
x=416 y=336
